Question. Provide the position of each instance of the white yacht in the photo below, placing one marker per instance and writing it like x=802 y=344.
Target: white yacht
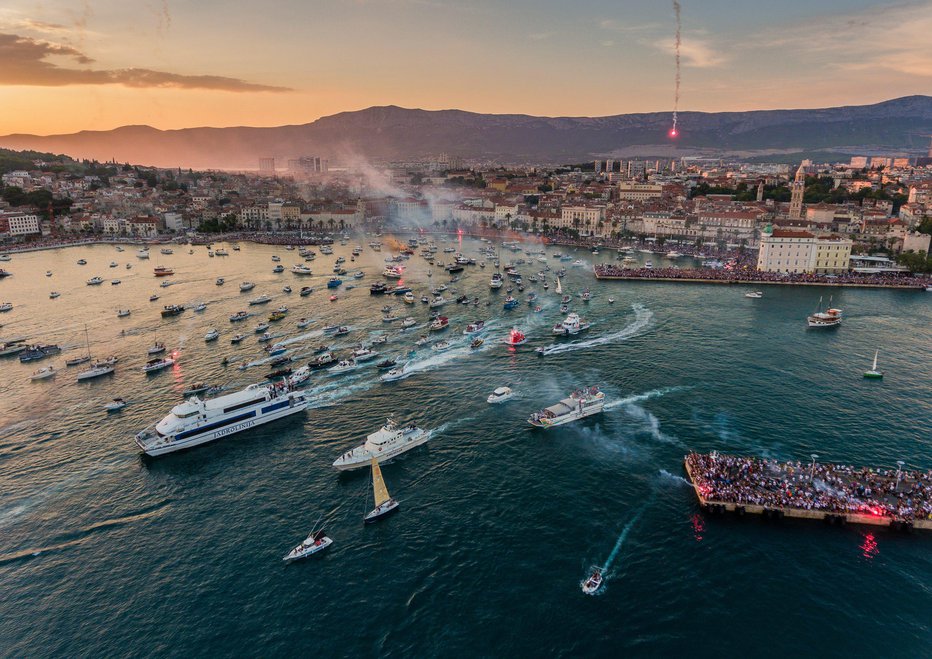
x=580 y=404
x=389 y=441
x=197 y=421
x=500 y=395
x=573 y=324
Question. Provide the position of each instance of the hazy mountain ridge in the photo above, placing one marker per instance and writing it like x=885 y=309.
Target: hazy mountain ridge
x=390 y=132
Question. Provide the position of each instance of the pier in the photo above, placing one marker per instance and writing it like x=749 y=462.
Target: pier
x=833 y=493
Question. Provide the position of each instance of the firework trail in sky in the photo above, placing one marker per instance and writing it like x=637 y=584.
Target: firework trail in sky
x=676 y=47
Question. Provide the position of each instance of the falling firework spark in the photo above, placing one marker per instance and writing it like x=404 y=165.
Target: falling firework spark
x=676 y=50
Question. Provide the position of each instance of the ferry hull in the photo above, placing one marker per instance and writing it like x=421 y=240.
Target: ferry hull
x=219 y=433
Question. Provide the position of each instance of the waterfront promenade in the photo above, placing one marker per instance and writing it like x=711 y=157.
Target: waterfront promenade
x=756 y=277
x=833 y=493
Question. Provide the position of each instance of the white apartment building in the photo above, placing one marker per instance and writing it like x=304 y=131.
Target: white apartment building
x=783 y=250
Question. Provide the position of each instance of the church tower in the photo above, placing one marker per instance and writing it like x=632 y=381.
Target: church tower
x=797 y=190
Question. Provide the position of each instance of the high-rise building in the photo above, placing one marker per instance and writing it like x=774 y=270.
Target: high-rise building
x=267 y=166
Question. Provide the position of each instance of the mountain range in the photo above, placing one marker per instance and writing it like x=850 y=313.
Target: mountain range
x=901 y=126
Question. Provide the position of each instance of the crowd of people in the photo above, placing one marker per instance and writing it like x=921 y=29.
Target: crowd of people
x=832 y=488
x=750 y=276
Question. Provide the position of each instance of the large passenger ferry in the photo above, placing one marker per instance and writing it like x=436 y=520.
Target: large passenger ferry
x=195 y=421
x=580 y=404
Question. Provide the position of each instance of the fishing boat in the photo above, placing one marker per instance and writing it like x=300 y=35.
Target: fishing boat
x=823 y=319
x=754 y=295
x=572 y=324
x=43 y=373
x=155 y=365
x=515 y=338
x=195 y=421
x=579 y=404
x=593 y=583
x=873 y=373
x=500 y=395
x=384 y=503
x=316 y=541
x=386 y=443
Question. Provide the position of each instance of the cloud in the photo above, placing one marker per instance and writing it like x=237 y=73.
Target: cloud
x=696 y=53
x=26 y=62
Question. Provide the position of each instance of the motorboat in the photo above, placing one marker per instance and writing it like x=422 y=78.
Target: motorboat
x=593 y=583
x=754 y=295
x=262 y=299
x=301 y=269
x=95 y=281
x=115 y=405
x=156 y=348
x=212 y=335
x=364 y=354
x=343 y=366
x=195 y=421
x=155 y=365
x=384 y=503
x=390 y=441
x=579 y=404
x=823 y=319
x=43 y=373
x=246 y=286
x=439 y=323
x=315 y=542
x=54 y=294
x=474 y=328
x=500 y=395
x=305 y=291
x=572 y=324
x=440 y=346
x=238 y=316
x=237 y=338
x=515 y=338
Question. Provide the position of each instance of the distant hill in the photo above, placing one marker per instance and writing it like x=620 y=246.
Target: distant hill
x=899 y=125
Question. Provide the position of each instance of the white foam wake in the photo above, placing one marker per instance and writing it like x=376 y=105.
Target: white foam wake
x=642 y=318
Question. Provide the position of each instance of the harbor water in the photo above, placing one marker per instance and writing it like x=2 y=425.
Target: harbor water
x=104 y=552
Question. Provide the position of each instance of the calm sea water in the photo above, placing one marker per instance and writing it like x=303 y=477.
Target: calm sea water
x=105 y=553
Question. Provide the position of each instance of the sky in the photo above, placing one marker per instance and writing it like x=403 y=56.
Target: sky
x=70 y=65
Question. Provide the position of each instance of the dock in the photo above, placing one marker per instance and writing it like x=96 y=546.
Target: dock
x=832 y=493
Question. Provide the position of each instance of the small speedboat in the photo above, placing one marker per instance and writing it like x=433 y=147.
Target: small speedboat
x=593 y=583
x=115 y=405
x=315 y=542
x=500 y=395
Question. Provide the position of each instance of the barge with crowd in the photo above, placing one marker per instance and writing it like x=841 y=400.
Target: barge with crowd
x=834 y=493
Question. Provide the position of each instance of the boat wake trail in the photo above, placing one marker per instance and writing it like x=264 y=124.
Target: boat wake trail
x=638 y=398
x=642 y=318
x=621 y=538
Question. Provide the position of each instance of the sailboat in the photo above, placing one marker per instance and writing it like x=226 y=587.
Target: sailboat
x=384 y=503
x=874 y=374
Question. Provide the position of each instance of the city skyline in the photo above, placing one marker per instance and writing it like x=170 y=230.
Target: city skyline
x=103 y=65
